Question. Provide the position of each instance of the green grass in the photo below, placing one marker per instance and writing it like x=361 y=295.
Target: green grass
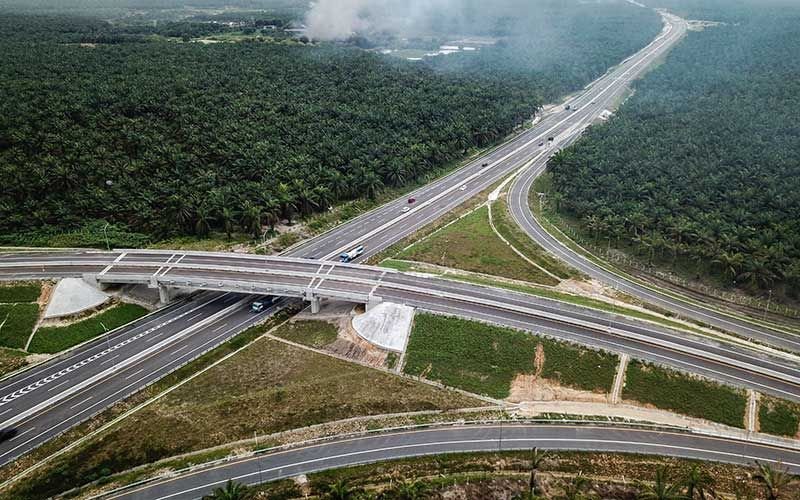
x=509 y=229
x=17 y=323
x=315 y=334
x=56 y=339
x=779 y=417
x=11 y=360
x=268 y=387
x=675 y=391
x=485 y=359
x=470 y=244
x=22 y=292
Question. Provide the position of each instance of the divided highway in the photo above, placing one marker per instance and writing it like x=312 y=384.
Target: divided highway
x=53 y=397
x=477 y=438
x=315 y=279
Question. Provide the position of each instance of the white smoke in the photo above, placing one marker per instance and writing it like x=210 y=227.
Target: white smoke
x=339 y=19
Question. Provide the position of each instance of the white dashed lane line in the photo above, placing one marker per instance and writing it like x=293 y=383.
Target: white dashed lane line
x=78 y=404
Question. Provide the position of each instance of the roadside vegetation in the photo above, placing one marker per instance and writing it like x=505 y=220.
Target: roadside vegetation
x=20 y=292
x=10 y=360
x=698 y=172
x=268 y=387
x=538 y=474
x=53 y=339
x=485 y=359
x=16 y=324
x=260 y=144
x=777 y=416
x=671 y=390
x=470 y=244
x=316 y=334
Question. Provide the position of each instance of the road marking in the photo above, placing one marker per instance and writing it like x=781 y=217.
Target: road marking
x=134 y=373
x=219 y=328
x=107 y=361
x=6 y=411
x=78 y=404
x=57 y=386
x=21 y=434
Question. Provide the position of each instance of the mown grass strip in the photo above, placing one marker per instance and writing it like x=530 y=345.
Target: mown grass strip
x=16 y=324
x=22 y=292
x=485 y=359
x=470 y=244
x=316 y=334
x=776 y=416
x=11 y=360
x=675 y=391
x=56 y=339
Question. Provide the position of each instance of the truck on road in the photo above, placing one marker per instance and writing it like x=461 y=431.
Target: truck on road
x=352 y=254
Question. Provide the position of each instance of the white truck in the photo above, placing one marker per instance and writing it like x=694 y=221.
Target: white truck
x=352 y=254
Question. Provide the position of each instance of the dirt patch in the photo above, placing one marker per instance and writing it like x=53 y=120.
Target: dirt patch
x=350 y=345
x=44 y=297
x=532 y=387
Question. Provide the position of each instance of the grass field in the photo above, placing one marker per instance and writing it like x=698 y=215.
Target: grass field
x=779 y=417
x=268 y=387
x=20 y=292
x=56 y=339
x=11 y=360
x=506 y=226
x=315 y=334
x=485 y=359
x=671 y=390
x=16 y=324
x=470 y=244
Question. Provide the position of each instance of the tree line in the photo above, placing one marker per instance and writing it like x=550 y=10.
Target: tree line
x=701 y=167
x=162 y=139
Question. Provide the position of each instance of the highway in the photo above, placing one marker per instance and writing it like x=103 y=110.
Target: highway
x=90 y=387
x=226 y=272
x=44 y=401
x=471 y=438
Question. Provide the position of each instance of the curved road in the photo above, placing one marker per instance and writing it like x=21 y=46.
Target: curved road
x=476 y=438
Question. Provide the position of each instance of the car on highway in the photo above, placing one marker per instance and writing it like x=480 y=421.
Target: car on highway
x=463 y=188
x=406 y=209
x=484 y=165
x=258 y=306
x=412 y=201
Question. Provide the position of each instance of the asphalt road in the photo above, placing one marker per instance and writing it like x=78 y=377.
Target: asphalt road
x=727 y=362
x=43 y=402
x=376 y=230
x=477 y=438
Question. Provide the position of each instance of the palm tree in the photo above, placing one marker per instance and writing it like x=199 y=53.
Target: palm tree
x=251 y=218
x=227 y=216
x=537 y=459
x=576 y=488
x=231 y=491
x=340 y=490
x=698 y=484
x=660 y=489
x=773 y=480
x=407 y=490
x=203 y=219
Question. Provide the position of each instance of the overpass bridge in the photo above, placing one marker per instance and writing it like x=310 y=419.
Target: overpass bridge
x=314 y=280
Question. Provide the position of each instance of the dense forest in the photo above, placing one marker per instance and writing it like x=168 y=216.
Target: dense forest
x=163 y=138
x=701 y=167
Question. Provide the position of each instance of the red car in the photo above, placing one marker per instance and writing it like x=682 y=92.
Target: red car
x=412 y=200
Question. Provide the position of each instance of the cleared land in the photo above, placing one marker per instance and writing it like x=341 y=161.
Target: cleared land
x=671 y=390
x=269 y=387
x=485 y=359
x=56 y=339
x=470 y=244
x=315 y=334
x=779 y=417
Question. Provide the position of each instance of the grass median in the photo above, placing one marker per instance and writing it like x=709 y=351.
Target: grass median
x=20 y=292
x=485 y=359
x=681 y=393
x=16 y=324
x=53 y=339
x=779 y=417
x=316 y=334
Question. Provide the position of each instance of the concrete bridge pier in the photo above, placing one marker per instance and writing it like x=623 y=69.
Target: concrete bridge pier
x=166 y=294
x=313 y=299
x=92 y=280
x=372 y=302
